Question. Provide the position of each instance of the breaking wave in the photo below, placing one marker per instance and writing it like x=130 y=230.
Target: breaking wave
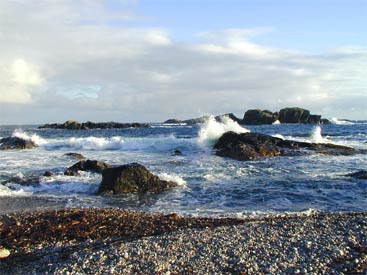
x=211 y=129
x=34 y=137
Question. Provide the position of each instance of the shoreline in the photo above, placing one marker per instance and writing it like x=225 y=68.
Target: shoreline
x=125 y=241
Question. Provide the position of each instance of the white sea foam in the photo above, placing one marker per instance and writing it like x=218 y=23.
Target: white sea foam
x=172 y=177
x=337 y=121
x=277 y=122
x=5 y=191
x=211 y=129
x=316 y=135
x=279 y=136
x=31 y=137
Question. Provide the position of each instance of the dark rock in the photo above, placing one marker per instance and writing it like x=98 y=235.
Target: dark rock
x=11 y=143
x=193 y=121
x=300 y=115
x=249 y=146
x=172 y=121
x=222 y=118
x=362 y=174
x=48 y=174
x=25 y=181
x=177 y=153
x=259 y=117
x=74 y=125
x=131 y=177
x=86 y=165
x=75 y=155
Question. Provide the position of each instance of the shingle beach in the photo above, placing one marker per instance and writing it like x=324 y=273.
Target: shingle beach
x=111 y=241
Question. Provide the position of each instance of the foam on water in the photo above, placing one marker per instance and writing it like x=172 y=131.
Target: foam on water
x=337 y=121
x=211 y=129
x=316 y=136
x=172 y=177
x=277 y=122
x=34 y=137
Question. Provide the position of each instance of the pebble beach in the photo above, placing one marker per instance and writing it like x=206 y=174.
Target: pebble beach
x=112 y=241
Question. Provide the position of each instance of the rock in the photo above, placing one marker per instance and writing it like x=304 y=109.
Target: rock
x=172 y=121
x=4 y=253
x=221 y=118
x=86 y=165
x=249 y=146
x=259 y=117
x=177 y=153
x=75 y=125
x=13 y=143
x=362 y=174
x=194 y=121
x=48 y=174
x=22 y=180
x=75 y=155
x=299 y=115
x=131 y=177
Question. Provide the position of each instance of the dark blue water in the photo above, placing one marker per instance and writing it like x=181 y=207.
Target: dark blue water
x=210 y=185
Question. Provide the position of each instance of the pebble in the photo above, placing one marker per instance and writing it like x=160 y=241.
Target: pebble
x=4 y=253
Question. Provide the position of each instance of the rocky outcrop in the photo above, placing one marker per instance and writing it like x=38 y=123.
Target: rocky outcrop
x=87 y=165
x=131 y=177
x=203 y=119
x=75 y=125
x=75 y=155
x=286 y=115
x=249 y=146
x=222 y=118
x=173 y=121
x=13 y=143
x=259 y=117
x=362 y=175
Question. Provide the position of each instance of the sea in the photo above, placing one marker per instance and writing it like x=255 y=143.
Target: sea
x=209 y=185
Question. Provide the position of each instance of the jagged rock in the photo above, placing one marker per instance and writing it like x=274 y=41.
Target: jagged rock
x=249 y=146
x=131 y=177
x=75 y=155
x=86 y=165
x=300 y=115
x=12 y=143
x=75 y=125
x=362 y=174
x=259 y=117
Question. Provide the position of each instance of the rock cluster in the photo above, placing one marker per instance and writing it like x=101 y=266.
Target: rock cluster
x=14 y=143
x=249 y=146
x=86 y=165
x=75 y=125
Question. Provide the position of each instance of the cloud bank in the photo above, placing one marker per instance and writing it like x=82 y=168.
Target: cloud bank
x=65 y=60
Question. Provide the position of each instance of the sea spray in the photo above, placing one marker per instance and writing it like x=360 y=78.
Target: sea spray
x=33 y=137
x=211 y=130
x=316 y=136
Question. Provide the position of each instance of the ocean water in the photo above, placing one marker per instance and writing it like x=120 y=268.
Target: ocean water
x=209 y=185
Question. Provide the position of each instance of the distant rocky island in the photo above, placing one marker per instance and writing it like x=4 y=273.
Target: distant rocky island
x=263 y=117
x=75 y=125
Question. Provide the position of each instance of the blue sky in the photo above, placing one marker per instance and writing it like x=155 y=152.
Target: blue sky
x=147 y=60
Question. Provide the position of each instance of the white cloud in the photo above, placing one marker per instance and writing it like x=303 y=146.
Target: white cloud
x=72 y=55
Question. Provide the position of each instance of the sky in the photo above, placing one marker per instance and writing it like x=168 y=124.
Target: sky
x=150 y=60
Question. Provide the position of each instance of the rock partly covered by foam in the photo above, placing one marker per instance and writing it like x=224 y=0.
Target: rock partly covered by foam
x=87 y=165
x=249 y=146
x=74 y=155
x=362 y=174
x=203 y=119
x=12 y=143
x=75 y=125
x=131 y=177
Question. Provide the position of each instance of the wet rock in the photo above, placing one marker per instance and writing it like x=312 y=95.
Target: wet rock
x=299 y=115
x=75 y=155
x=177 y=153
x=259 y=117
x=131 y=177
x=13 y=143
x=22 y=180
x=86 y=165
x=249 y=146
x=222 y=118
x=48 y=174
x=172 y=121
x=362 y=174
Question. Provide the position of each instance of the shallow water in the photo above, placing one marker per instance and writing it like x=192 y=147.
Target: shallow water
x=210 y=185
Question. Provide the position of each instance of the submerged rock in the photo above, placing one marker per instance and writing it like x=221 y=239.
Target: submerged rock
x=131 y=177
x=249 y=146
x=75 y=155
x=14 y=143
x=362 y=174
x=86 y=165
